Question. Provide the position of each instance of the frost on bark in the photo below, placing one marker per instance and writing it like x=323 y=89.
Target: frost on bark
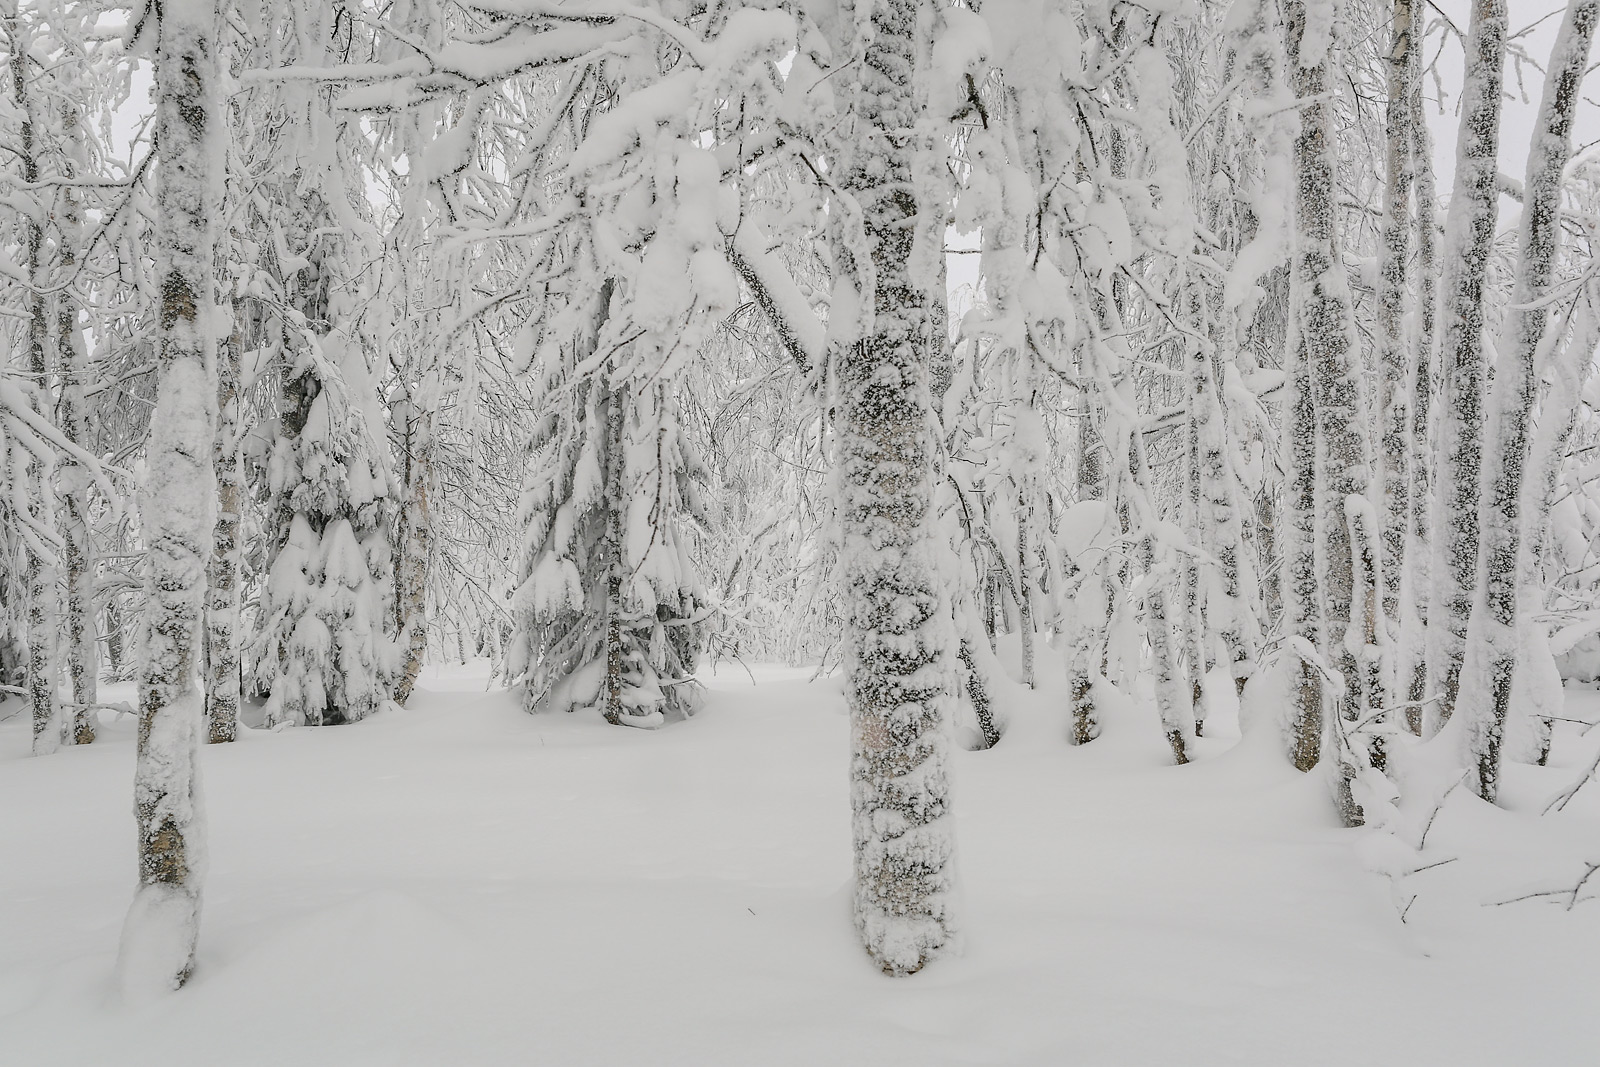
x=1492 y=640
x=1326 y=360
x=158 y=937
x=222 y=595
x=1302 y=622
x=38 y=577
x=1393 y=357
x=899 y=659
x=1464 y=260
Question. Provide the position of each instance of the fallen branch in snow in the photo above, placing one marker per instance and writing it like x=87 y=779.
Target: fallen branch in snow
x=1570 y=892
x=1422 y=842
x=1561 y=799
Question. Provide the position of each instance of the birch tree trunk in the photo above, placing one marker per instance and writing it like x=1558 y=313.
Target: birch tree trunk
x=1302 y=592
x=1491 y=653
x=1327 y=361
x=159 y=934
x=38 y=580
x=1469 y=233
x=1571 y=367
x=72 y=355
x=416 y=545
x=1416 y=587
x=616 y=567
x=1394 y=362
x=899 y=659
x=222 y=596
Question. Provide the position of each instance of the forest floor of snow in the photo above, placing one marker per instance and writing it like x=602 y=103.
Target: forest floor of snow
x=462 y=883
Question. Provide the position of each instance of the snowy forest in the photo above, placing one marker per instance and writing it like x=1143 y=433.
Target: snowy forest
x=764 y=444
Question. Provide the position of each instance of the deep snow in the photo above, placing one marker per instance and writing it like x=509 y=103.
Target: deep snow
x=462 y=883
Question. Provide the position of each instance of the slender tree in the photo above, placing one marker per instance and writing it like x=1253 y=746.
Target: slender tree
x=1492 y=641
x=160 y=932
x=1464 y=261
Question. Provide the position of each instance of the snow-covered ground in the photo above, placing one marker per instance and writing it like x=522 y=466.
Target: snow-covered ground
x=461 y=883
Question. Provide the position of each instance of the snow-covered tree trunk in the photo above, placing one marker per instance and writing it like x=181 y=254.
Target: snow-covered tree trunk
x=1301 y=585
x=1194 y=607
x=900 y=670
x=1393 y=356
x=1091 y=607
x=38 y=578
x=159 y=935
x=415 y=536
x=1571 y=365
x=1174 y=698
x=1328 y=361
x=75 y=370
x=222 y=596
x=1464 y=261
x=615 y=507
x=1492 y=640
x=977 y=689
x=1416 y=586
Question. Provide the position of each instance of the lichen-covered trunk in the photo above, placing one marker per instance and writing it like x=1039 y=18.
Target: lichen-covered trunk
x=613 y=708
x=1464 y=261
x=1393 y=358
x=1490 y=659
x=1328 y=360
x=159 y=935
x=222 y=596
x=977 y=687
x=899 y=649
x=1301 y=587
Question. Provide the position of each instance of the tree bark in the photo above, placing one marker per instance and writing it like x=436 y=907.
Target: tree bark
x=38 y=579
x=1464 y=260
x=222 y=597
x=899 y=654
x=159 y=935
x=1394 y=361
x=1492 y=643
